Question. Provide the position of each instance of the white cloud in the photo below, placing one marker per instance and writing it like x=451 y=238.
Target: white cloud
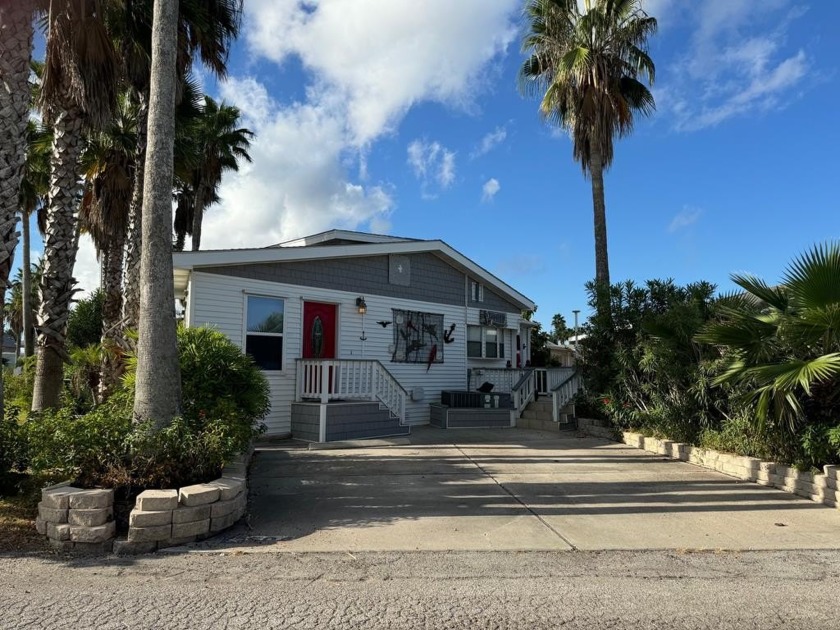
x=521 y=265
x=432 y=163
x=366 y=63
x=489 y=142
x=490 y=188
x=686 y=218
x=737 y=63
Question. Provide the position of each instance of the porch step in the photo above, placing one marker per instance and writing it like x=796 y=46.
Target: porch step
x=538 y=414
x=544 y=425
x=542 y=404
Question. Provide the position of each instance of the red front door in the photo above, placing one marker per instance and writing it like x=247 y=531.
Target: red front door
x=319 y=330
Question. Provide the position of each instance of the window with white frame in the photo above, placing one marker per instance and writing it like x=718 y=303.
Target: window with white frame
x=485 y=343
x=476 y=291
x=264 y=331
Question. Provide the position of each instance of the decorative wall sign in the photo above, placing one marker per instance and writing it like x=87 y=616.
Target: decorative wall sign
x=492 y=318
x=418 y=337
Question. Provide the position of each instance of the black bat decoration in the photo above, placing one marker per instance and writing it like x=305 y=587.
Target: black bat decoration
x=384 y=324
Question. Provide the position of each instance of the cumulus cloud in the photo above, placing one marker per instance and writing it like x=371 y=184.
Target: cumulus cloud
x=86 y=270
x=366 y=63
x=489 y=190
x=489 y=142
x=738 y=62
x=686 y=218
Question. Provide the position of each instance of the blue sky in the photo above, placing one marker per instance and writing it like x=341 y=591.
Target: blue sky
x=404 y=117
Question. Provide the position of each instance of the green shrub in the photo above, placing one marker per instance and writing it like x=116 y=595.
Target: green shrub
x=84 y=326
x=225 y=398
x=13 y=445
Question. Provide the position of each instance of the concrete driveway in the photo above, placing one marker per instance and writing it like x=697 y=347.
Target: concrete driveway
x=515 y=490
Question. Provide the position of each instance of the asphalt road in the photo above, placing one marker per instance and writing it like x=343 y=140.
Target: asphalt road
x=533 y=590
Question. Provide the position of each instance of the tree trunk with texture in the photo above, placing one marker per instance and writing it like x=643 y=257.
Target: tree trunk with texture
x=60 y=244
x=602 y=265
x=157 y=395
x=131 y=285
x=15 y=54
x=111 y=367
x=199 y=204
x=28 y=316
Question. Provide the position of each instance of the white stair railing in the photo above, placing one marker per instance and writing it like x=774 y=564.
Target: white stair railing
x=564 y=391
x=524 y=391
x=350 y=379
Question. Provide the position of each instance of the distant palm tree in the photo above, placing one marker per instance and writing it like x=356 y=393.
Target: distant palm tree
x=784 y=341
x=584 y=61
x=108 y=166
x=220 y=144
x=33 y=191
x=206 y=29
x=78 y=92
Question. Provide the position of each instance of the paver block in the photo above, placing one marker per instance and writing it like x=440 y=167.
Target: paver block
x=228 y=488
x=89 y=499
x=58 y=497
x=90 y=518
x=141 y=518
x=157 y=500
x=128 y=548
x=223 y=508
x=63 y=546
x=177 y=542
x=40 y=526
x=52 y=515
x=149 y=534
x=91 y=548
x=182 y=530
x=223 y=522
x=98 y=534
x=58 y=531
x=186 y=514
x=199 y=494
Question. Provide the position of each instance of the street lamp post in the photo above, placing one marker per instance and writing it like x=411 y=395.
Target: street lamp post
x=576 y=311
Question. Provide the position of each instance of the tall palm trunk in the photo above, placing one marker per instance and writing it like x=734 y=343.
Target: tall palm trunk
x=157 y=395
x=602 y=264
x=112 y=271
x=131 y=286
x=26 y=299
x=60 y=244
x=15 y=54
x=199 y=203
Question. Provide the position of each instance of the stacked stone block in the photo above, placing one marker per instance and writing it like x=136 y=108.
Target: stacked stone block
x=74 y=519
x=821 y=488
x=166 y=518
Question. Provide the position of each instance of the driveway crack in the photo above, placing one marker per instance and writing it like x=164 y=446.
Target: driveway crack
x=516 y=498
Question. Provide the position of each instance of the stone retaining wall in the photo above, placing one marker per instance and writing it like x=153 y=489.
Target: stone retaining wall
x=74 y=519
x=597 y=428
x=822 y=488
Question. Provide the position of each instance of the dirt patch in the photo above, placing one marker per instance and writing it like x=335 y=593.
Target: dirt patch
x=17 y=525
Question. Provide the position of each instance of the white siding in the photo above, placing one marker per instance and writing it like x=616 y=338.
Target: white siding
x=509 y=333
x=219 y=301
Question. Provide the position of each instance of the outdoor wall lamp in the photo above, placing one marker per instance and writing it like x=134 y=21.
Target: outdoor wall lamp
x=361 y=306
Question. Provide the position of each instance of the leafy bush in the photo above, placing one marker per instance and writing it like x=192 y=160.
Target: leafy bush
x=225 y=397
x=84 y=326
x=13 y=445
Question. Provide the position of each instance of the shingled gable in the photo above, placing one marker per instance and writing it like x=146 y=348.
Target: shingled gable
x=337 y=244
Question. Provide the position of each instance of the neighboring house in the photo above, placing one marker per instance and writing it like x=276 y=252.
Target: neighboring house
x=10 y=351
x=561 y=354
x=346 y=316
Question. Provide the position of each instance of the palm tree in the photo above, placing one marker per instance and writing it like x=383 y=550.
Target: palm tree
x=784 y=341
x=219 y=144
x=157 y=397
x=78 y=93
x=585 y=62
x=33 y=191
x=15 y=53
x=206 y=29
x=108 y=165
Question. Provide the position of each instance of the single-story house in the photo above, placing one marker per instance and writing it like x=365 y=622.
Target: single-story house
x=357 y=318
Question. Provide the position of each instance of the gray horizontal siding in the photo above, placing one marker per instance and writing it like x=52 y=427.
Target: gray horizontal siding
x=432 y=279
x=493 y=301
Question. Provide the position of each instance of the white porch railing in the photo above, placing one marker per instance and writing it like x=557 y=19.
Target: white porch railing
x=524 y=391
x=564 y=391
x=345 y=379
x=503 y=379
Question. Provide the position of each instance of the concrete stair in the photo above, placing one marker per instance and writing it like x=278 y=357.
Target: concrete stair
x=538 y=416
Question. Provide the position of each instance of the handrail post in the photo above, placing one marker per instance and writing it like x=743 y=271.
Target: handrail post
x=325 y=382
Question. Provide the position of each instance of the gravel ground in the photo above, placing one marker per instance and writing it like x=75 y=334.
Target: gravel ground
x=496 y=590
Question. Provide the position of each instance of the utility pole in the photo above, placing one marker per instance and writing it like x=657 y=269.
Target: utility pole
x=576 y=311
